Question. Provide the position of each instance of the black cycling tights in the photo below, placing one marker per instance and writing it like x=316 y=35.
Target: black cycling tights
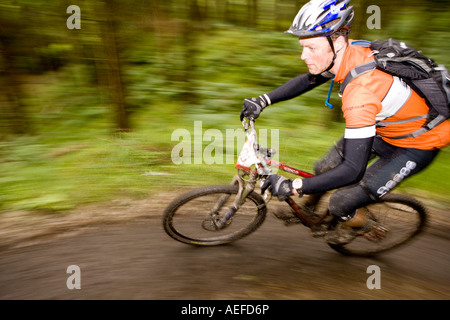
x=392 y=166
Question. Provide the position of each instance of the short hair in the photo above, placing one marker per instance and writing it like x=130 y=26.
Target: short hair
x=341 y=32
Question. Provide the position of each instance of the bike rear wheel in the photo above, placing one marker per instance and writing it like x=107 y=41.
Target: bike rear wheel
x=404 y=217
x=191 y=217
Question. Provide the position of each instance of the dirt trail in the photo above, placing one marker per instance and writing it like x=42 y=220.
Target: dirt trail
x=123 y=253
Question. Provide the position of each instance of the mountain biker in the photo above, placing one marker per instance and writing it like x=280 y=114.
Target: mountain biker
x=374 y=106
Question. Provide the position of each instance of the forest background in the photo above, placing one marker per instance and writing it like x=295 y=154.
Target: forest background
x=88 y=112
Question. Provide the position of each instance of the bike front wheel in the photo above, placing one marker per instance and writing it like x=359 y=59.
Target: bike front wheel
x=404 y=218
x=195 y=217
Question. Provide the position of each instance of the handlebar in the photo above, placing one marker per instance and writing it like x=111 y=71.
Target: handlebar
x=246 y=124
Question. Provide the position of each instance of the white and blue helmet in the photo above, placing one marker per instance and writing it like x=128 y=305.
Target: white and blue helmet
x=310 y=20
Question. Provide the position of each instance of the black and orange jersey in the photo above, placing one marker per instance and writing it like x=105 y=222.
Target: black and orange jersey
x=377 y=103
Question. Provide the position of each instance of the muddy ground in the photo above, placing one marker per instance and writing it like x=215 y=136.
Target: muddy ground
x=123 y=253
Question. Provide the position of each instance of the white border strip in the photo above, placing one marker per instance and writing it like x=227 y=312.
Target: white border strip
x=360 y=133
x=268 y=99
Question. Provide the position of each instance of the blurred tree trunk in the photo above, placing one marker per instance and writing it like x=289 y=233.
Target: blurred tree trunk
x=113 y=70
x=253 y=12
x=359 y=27
x=12 y=108
x=190 y=44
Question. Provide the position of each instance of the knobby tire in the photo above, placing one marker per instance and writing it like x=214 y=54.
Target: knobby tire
x=405 y=217
x=185 y=217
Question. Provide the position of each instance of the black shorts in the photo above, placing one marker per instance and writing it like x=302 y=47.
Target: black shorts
x=391 y=165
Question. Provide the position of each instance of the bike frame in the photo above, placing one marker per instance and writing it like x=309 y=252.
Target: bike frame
x=254 y=155
x=286 y=168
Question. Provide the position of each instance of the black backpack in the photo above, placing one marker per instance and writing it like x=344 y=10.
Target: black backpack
x=421 y=73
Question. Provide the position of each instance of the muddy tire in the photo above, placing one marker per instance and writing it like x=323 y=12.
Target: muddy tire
x=404 y=217
x=188 y=218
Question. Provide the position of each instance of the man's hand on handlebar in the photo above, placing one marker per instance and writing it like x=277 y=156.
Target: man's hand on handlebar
x=278 y=186
x=282 y=187
x=253 y=107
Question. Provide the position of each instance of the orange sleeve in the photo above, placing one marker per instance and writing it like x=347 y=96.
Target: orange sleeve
x=360 y=107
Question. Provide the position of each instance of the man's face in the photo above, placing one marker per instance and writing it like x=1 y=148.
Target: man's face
x=317 y=54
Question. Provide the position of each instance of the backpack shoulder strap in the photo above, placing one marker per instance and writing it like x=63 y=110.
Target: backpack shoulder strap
x=359 y=70
x=356 y=72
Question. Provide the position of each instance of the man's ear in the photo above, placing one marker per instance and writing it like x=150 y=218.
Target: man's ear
x=340 y=43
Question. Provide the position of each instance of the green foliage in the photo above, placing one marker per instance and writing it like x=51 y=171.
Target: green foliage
x=179 y=64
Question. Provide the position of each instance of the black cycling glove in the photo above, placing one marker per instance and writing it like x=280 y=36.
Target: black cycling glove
x=254 y=106
x=278 y=186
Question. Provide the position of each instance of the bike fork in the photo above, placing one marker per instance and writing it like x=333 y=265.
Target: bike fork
x=245 y=188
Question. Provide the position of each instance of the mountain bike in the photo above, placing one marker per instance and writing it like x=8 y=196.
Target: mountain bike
x=219 y=214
